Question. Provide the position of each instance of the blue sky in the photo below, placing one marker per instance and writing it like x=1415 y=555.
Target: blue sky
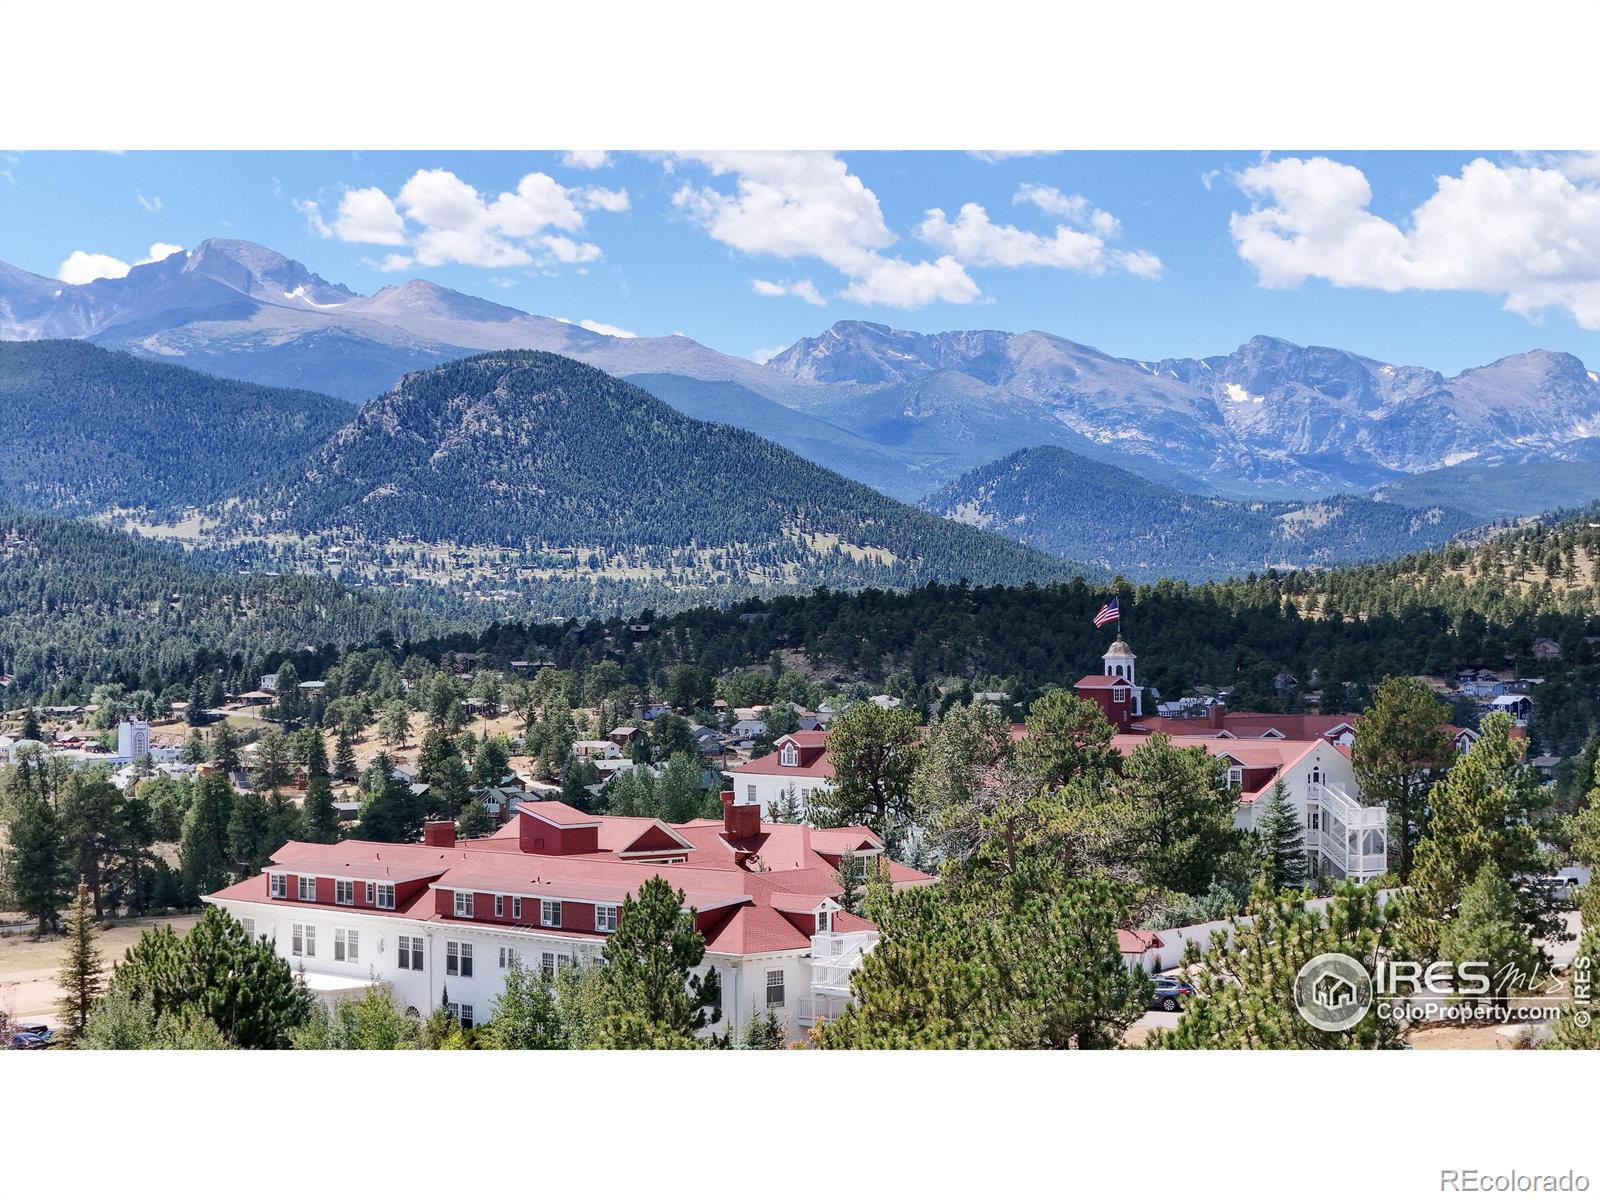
x=1443 y=260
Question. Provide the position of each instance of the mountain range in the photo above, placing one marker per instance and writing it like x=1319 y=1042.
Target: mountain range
x=1119 y=523
x=905 y=412
x=517 y=481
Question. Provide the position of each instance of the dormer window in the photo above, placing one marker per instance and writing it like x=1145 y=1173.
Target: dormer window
x=824 y=921
x=278 y=887
x=1235 y=776
x=463 y=904
x=1119 y=695
x=308 y=887
x=789 y=756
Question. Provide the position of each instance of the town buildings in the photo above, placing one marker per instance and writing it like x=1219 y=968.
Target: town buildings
x=450 y=916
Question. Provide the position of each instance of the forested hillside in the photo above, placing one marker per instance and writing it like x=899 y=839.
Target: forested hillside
x=535 y=471
x=86 y=429
x=1085 y=511
x=80 y=605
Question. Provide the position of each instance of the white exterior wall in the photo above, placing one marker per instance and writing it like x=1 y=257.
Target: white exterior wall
x=1336 y=769
x=379 y=948
x=769 y=789
x=744 y=979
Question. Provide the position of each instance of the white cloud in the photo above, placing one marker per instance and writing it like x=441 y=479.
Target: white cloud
x=565 y=250
x=585 y=160
x=608 y=330
x=607 y=199
x=767 y=354
x=150 y=204
x=802 y=289
x=1078 y=211
x=998 y=156
x=1530 y=234
x=1078 y=244
x=440 y=219
x=808 y=205
x=901 y=284
x=368 y=215
x=83 y=267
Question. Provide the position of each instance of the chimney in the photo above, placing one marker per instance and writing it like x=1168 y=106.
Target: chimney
x=439 y=833
x=739 y=821
x=1218 y=711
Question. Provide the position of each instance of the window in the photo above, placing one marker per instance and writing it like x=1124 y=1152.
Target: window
x=346 y=945
x=304 y=941
x=750 y=794
x=458 y=958
x=249 y=924
x=550 y=961
x=824 y=921
x=344 y=891
x=605 y=918
x=499 y=906
x=550 y=912
x=1235 y=776
x=466 y=1016
x=790 y=757
x=775 y=989
x=1118 y=695
x=386 y=895
x=369 y=893
x=463 y=904
x=508 y=957
x=516 y=908
x=410 y=953
x=308 y=887
x=1313 y=818
x=278 y=887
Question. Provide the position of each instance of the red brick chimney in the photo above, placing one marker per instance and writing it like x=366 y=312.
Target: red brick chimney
x=439 y=833
x=1218 y=711
x=739 y=821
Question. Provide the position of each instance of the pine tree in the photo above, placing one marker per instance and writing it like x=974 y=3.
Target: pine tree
x=848 y=877
x=194 y=749
x=1031 y=964
x=764 y=1031
x=1481 y=815
x=221 y=972
x=225 y=749
x=651 y=998
x=203 y=852
x=1281 y=843
x=35 y=863
x=1487 y=930
x=475 y=821
x=394 y=725
x=344 y=756
x=1247 y=978
x=30 y=727
x=80 y=979
x=874 y=756
x=250 y=840
x=1402 y=746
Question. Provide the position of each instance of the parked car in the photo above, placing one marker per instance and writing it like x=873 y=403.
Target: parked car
x=1171 y=994
x=31 y=1037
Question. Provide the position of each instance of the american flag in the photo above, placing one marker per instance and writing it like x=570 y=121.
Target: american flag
x=1108 y=613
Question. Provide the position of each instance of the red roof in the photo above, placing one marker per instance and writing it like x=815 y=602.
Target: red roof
x=1294 y=726
x=1137 y=941
x=1100 y=681
x=780 y=869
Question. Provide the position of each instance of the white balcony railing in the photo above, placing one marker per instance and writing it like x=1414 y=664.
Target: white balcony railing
x=1350 y=835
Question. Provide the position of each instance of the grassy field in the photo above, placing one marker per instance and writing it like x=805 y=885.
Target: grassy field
x=28 y=966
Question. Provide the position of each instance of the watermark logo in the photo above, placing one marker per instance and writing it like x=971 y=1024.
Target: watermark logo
x=1333 y=992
